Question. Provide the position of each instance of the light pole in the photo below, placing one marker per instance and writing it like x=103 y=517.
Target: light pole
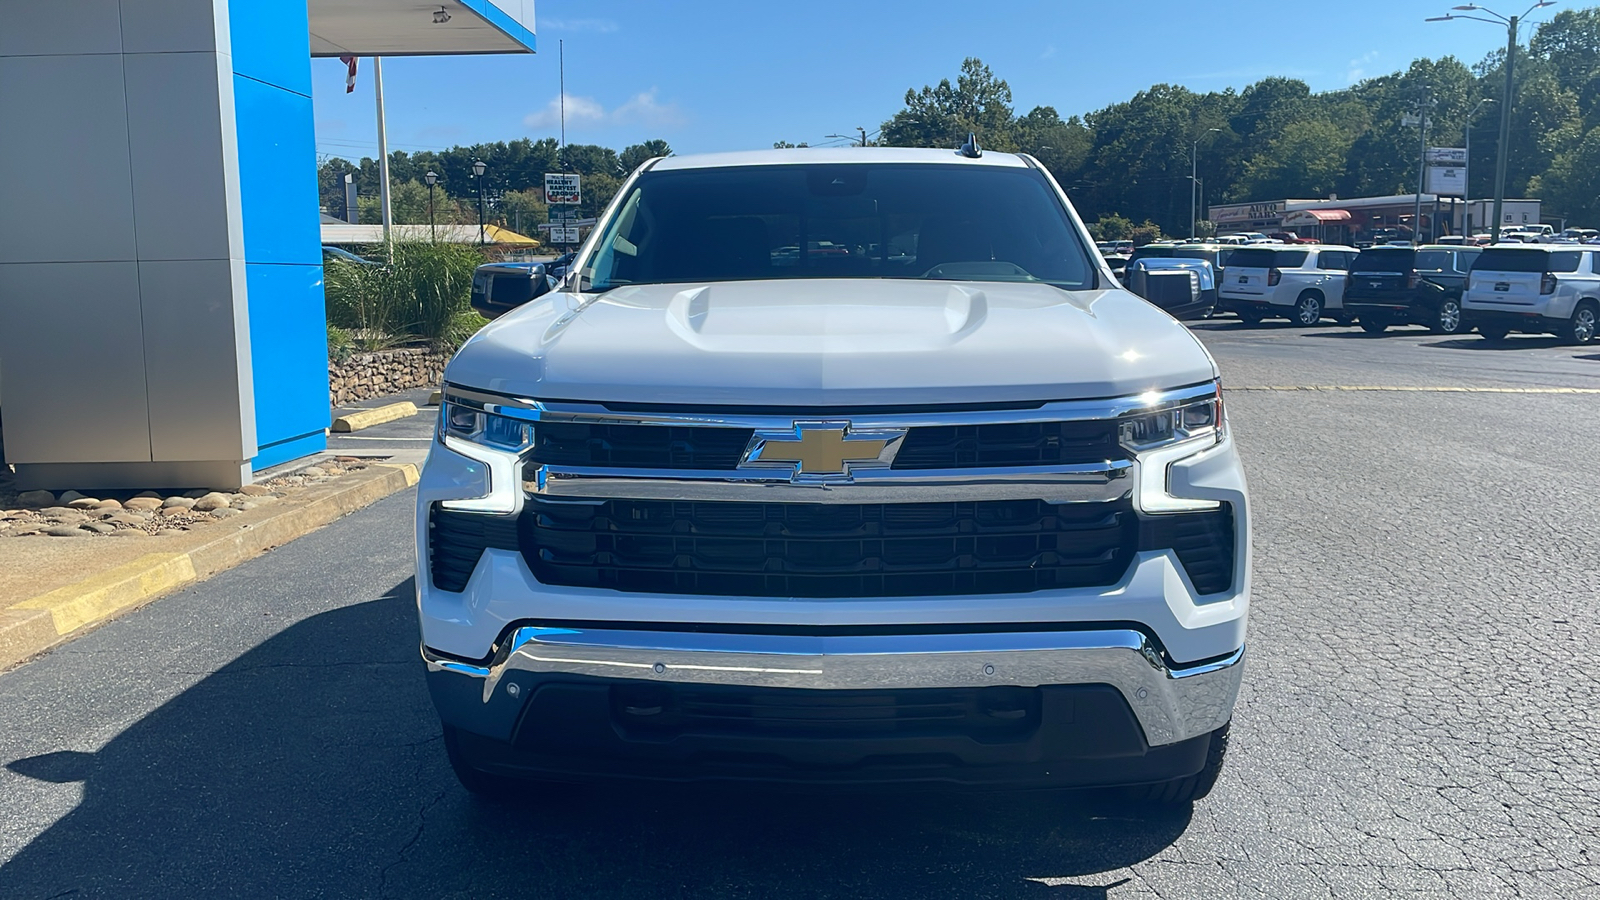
x=1194 y=181
x=1425 y=104
x=1467 y=137
x=477 y=173
x=432 y=178
x=1505 y=100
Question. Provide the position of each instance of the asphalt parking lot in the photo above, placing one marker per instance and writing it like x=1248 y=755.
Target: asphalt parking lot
x=1419 y=716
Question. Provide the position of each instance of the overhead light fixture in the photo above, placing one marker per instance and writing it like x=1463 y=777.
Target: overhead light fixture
x=441 y=17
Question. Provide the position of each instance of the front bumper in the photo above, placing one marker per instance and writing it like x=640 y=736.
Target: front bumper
x=1171 y=704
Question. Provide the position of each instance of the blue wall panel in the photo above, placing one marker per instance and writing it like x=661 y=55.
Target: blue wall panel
x=282 y=241
x=272 y=42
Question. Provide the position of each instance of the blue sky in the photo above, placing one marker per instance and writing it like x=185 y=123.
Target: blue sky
x=712 y=75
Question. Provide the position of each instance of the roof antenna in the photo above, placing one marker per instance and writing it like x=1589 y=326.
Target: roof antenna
x=970 y=149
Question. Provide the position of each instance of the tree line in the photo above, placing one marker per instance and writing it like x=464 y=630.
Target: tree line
x=1129 y=162
x=1275 y=139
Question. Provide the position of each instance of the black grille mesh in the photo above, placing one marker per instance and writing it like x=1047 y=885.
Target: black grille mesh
x=828 y=550
x=1027 y=444
x=1203 y=541
x=457 y=539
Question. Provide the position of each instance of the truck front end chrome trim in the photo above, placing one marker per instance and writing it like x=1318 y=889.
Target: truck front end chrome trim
x=1171 y=703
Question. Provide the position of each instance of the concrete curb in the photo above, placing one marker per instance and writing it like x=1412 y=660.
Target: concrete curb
x=39 y=623
x=378 y=415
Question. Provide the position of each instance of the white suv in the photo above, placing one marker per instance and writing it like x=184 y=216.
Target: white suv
x=1300 y=283
x=1533 y=289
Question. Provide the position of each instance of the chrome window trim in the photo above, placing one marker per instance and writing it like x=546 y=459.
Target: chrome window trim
x=1055 y=411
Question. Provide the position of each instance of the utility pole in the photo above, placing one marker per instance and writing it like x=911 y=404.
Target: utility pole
x=1505 y=132
x=383 y=159
x=1194 y=181
x=561 y=147
x=863 y=135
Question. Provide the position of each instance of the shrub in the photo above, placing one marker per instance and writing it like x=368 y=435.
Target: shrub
x=340 y=345
x=423 y=295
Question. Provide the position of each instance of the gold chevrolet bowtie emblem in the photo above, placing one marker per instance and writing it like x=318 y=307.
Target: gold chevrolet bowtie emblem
x=822 y=448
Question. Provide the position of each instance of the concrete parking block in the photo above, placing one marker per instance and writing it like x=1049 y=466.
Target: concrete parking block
x=366 y=418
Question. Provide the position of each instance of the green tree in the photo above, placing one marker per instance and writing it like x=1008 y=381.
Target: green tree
x=1307 y=159
x=1112 y=227
x=633 y=157
x=943 y=115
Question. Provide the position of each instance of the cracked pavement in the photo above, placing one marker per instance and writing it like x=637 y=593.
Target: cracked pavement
x=1418 y=718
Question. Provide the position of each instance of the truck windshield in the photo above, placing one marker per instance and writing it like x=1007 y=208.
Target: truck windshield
x=951 y=222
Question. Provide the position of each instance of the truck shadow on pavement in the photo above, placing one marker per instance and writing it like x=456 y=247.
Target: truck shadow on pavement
x=313 y=765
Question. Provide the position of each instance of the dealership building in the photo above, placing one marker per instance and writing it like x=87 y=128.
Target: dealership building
x=181 y=340
x=1337 y=221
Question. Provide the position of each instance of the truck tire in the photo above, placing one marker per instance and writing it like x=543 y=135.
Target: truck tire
x=1448 y=319
x=1581 y=328
x=1307 y=309
x=1194 y=787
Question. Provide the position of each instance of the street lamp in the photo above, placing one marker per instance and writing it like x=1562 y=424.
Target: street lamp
x=1505 y=100
x=1194 y=181
x=432 y=178
x=478 y=168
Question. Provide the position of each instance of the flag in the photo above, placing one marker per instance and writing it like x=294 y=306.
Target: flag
x=350 y=76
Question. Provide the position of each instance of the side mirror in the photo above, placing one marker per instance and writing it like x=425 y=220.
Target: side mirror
x=499 y=288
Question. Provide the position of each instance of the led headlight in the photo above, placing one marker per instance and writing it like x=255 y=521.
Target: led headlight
x=1160 y=438
x=495 y=440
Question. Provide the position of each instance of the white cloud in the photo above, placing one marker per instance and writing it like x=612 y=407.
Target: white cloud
x=640 y=109
x=1358 y=66
x=597 y=26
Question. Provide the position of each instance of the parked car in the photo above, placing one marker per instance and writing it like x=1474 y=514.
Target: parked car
x=342 y=255
x=1400 y=285
x=971 y=518
x=498 y=288
x=1302 y=284
x=1184 y=288
x=1534 y=290
x=1119 y=265
x=1581 y=234
x=557 y=268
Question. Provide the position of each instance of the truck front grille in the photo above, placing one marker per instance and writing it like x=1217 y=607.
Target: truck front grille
x=828 y=550
x=717 y=448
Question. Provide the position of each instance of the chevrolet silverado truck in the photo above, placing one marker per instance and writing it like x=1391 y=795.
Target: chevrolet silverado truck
x=950 y=507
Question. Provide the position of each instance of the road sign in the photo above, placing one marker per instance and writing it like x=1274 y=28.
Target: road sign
x=564 y=234
x=1412 y=120
x=1447 y=181
x=560 y=187
x=560 y=213
x=1447 y=156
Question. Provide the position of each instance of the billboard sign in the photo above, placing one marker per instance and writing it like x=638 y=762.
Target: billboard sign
x=561 y=187
x=1447 y=156
x=1245 y=212
x=1447 y=181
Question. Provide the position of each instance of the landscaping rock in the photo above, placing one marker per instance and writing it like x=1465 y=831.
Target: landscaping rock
x=36 y=499
x=66 y=531
x=243 y=505
x=178 y=502
x=212 y=501
x=254 y=490
x=108 y=504
x=25 y=529
x=176 y=511
x=66 y=516
x=196 y=494
x=100 y=527
x=147 y=494
x=82 y=502
x=142 y=502
x=126 y=519
x=313 y=471
x=68 y=496
x=224 y=512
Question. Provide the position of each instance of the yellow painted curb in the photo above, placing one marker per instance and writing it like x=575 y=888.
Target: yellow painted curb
x=378 y=415
x=39 y=623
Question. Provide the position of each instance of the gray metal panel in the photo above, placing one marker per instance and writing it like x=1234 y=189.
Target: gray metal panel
x=64 y=152
x=179 y=156
x=173 y=26
x=197 y=360
x=73 y=363
x=221 y=475
x=59 y=27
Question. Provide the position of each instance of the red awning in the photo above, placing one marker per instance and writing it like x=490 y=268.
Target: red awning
x=1316 y=216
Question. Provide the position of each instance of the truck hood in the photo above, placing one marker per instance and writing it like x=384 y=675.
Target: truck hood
x=832 y=342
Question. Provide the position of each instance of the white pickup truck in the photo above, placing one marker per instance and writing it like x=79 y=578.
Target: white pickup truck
x=938 y=503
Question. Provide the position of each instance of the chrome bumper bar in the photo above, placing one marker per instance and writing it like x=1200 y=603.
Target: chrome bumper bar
x=1088 y=483
x=1171 y=703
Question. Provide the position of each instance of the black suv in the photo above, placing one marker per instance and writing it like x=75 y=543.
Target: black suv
x=1401 y=285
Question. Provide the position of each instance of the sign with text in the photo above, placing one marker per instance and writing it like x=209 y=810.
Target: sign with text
x=560 y=187
x=1447 y=181
x=564 y=234
x=1447 y=156
x=1245 y=212
x=561 y=213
